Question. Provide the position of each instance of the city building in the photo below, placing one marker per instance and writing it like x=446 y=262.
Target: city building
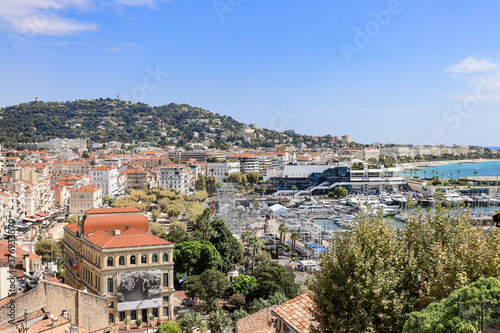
x=106 y=177
x=295 y=315
x=174 y=176
x=248 y=162
x=111 y=253
x=221 y=170
x=84 y=198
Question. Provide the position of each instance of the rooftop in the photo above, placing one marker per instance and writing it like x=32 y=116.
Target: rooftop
x=296 y=313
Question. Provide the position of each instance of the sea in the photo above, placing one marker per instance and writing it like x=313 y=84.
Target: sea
x=487 y=168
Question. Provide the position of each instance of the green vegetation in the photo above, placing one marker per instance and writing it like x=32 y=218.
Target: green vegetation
x=442 y=316
x=194 y=258
x=47 y=249
x=208 y=286
x=377 y=274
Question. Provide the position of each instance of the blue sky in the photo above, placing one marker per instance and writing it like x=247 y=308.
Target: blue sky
x=383 y=71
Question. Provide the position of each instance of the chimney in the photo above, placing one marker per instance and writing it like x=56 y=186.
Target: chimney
x=26 y=262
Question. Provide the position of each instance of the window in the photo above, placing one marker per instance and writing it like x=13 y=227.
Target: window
x=122 y=315
x=155 y=312
x=154 y=258
x=110 y=318
x=110 y=285
x=110 y=261
x=121 y=261
x=143 y=259
x=165 y=299
x=133 y=315
x=111 y=305
x=165 y=257
x=132 y=260
x=165 y=279
x=165 y=311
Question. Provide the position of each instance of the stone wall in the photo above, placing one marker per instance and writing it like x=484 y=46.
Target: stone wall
x=83 y=307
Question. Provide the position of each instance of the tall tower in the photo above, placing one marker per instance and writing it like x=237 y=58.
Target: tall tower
x=36 y=99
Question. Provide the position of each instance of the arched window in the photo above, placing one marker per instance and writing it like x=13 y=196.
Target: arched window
x=132 y=260
x=143 y=259
x=154 y=258
x=121 y=261
x=110 y=261
x=165 y=257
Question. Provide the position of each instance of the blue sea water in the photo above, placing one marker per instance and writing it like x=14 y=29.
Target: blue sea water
x=488 y=168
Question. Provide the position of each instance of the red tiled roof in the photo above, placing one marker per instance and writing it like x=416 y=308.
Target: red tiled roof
x=296 y=313
x=87 y=188
x=256 y=322
x=116 y=210
x=130 y=237
x=4 y=251
x=114 y=222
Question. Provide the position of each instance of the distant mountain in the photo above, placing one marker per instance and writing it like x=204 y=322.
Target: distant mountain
x=103 y=120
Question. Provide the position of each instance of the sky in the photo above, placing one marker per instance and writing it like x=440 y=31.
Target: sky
x=398 y=71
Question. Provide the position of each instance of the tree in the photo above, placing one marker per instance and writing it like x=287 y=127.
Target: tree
x=157 y=229
x=218 y=320
x=245 y=236
x=237 y=300
x=204 y=224
x=243 y=284
x=200 y=196
x=105 y=199
x=340 y=192
x=376 y=274
x=272 y=278
x=209 y=286
x=169 y=327
x=294 y=237
x=255 y=243
x=458 y=172
x=194 y=258
x=194 y=210
x=47 y=249
x=228 y=247
x=155 y=214
x=443 y=316
x=72 y=218
x=211 y=185
x=237 y=177
x=282 y=230
x=253 y=177
x=187 y=320
x=475 y=173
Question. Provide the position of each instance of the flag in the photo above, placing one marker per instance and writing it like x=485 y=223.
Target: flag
x=182 y=280
x=73 y=266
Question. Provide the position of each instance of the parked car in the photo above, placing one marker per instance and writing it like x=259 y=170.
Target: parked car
x=187 y=302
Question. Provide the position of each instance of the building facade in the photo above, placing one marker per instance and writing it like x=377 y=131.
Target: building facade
x=111 y=253
x=84 y=198
x=174 y=176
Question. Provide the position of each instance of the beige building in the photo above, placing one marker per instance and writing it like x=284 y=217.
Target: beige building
x=84 y=198
x=111 y=253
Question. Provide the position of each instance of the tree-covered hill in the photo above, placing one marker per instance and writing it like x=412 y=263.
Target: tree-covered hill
x=106 y=120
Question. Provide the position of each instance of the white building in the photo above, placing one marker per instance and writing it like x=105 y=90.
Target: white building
x=174 y=176
x=106 y=177
x=221 y=170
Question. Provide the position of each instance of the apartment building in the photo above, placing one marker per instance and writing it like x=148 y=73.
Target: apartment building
x=84 y=198
x=111 y=253
x=221 y=170
x=106 y=177
x=174 y=176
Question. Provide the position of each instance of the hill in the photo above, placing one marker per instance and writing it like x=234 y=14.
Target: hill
x=103 y=120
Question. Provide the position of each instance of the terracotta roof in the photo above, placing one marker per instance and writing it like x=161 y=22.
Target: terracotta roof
x=116 y=210
x=114 y=222
x=130 y=237
x=87 y=188
x=296 y=313
x=4 y=251
x=257 y=322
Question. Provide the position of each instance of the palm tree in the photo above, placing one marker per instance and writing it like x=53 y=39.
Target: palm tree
x=282 y=230
x=425 y=174
x=212 y=171
x=294 y=188
x=442 y=175
x=187 y=320
x=245 y=237
x=218 y=320
x=458 y=177
x=294 y=237
x=451 y=175
x=254 y=242
x=475 y=173
x=433 y=171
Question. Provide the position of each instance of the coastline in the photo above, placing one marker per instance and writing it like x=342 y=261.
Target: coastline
x=427 y=164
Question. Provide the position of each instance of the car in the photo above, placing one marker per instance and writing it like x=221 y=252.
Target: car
x=187 y=302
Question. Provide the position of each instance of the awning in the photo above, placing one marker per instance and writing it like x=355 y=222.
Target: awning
x=42 y=214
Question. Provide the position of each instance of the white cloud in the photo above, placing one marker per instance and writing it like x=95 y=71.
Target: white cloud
x=139 y=3
x=34 y=17
x=471 y=64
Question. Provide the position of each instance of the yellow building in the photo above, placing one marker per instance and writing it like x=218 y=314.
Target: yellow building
x=111 y=253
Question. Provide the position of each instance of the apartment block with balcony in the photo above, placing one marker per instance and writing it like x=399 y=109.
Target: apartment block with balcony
x=174 y=176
